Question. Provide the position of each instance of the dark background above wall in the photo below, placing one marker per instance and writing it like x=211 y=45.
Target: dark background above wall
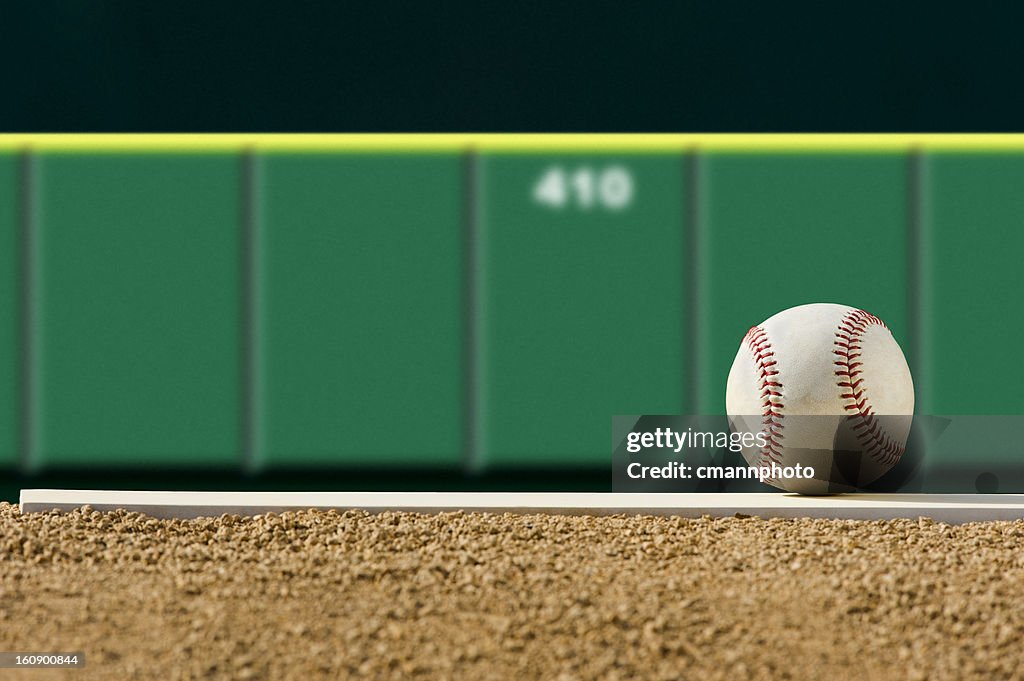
x=115 y=65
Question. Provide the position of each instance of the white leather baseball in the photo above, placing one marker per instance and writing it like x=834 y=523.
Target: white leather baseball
x=838 y=375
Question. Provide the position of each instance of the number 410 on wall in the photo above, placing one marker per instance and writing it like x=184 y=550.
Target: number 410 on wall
x=585 y=188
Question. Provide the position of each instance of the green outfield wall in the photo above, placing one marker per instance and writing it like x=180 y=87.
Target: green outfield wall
x=470 y=305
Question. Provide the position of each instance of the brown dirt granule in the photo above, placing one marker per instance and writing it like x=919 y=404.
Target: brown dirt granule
x=485 y=596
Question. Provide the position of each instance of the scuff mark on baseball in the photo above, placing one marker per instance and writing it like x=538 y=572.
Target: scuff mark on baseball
x=827 y=386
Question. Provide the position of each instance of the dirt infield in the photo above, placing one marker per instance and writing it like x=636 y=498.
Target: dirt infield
x=465 y=596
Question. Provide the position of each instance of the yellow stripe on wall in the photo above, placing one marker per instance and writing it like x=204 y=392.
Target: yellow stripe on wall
x=653 y=143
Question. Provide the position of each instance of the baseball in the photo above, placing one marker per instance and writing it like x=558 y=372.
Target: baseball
x=828 y=388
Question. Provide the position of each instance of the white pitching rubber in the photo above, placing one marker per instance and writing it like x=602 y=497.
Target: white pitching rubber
x=949 y=508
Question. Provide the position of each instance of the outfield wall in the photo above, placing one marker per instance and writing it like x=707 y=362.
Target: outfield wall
x=470 y=303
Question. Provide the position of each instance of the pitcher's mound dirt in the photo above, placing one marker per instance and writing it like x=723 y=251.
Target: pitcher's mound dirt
x=476 y=596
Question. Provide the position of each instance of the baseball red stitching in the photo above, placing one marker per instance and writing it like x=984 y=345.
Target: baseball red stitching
x=849 y=336
x=771 y=393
